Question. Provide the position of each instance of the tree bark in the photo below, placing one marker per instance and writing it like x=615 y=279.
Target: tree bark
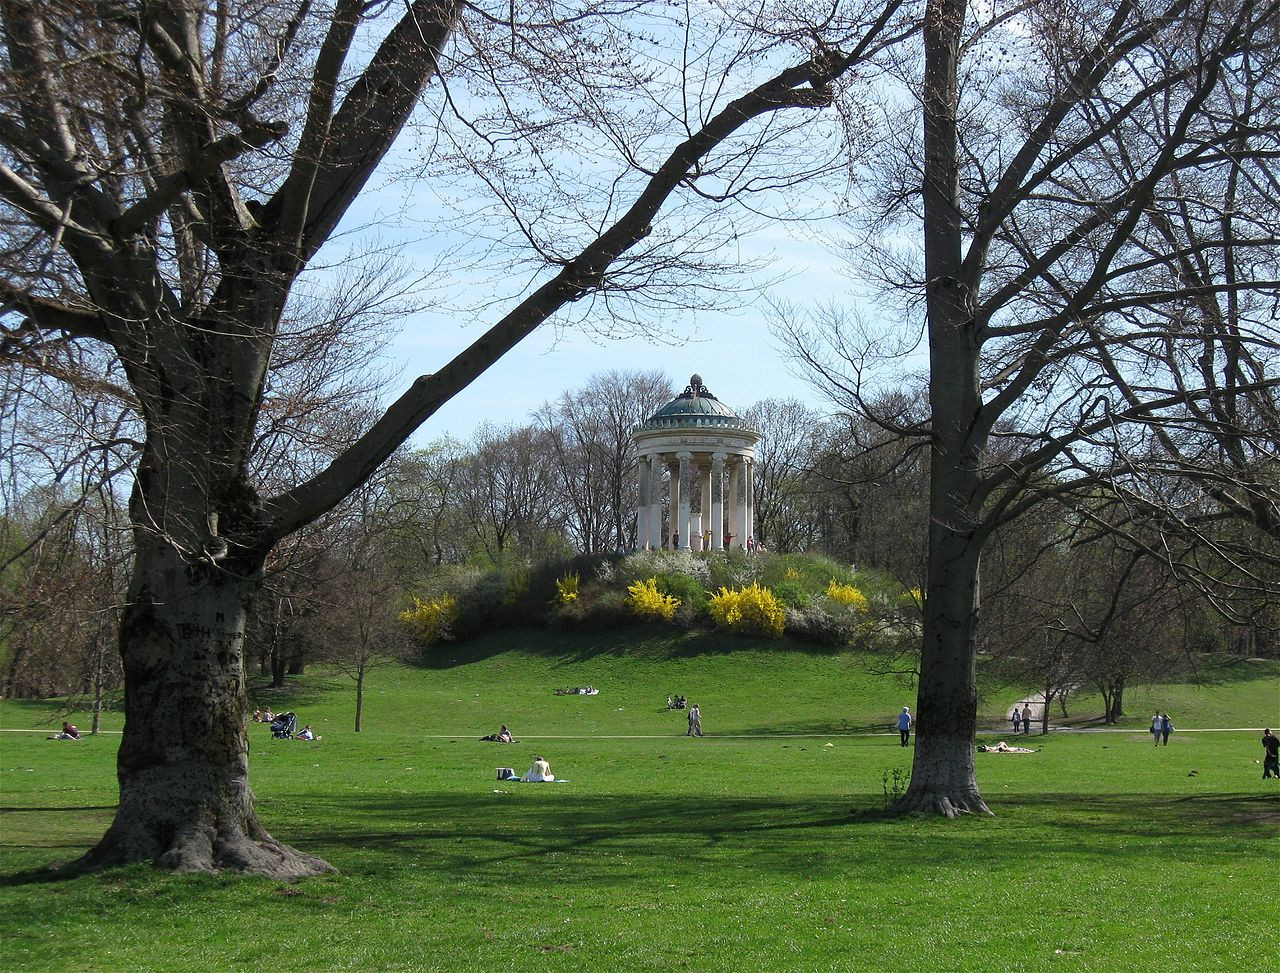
x=359 y=698
x=943 y=774
x=183 y=763
x=1117 y=701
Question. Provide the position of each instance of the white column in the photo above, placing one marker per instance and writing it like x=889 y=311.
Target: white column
x=704 y=507
x=717 y=502
x=743 y=519
x=675 y=493
x=642 y=506
x=686 y=488
x=749 y=494
x=735 y=482
x=655 y=503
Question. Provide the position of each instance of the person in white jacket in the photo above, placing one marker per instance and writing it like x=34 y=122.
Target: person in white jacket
x=539 y=772
x=904 y=724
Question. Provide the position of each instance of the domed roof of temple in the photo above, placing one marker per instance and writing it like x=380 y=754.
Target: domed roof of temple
x=694 y=407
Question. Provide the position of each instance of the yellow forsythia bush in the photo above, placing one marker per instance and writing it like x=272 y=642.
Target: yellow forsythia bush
x=752 y=610
x=567 y=588
x=911 y=600
x=431 y=620
x=647 y=600
x=847 y=594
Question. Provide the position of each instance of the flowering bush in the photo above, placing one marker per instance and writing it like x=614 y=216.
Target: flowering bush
x=648 y=601
x=431 y=620
x=847 y=594
x=567 y=588
x=752 y=610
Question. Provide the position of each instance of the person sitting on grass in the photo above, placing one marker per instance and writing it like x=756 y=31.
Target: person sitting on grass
x=306 y=734
x=539 y=772
x=69 y=732
x=502 y=736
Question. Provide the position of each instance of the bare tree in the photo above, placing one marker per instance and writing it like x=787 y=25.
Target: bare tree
x=355 y=621
x=169 y=171
x=590 y=432
x=785 y=461
x=509 y=493
x=1058 y=145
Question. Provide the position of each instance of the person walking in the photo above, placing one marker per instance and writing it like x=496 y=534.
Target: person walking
x=1155 y=728
x=904 y=725
x=695 y=721
x=1166 y=727
x=1017 y=718
x=1026 y=718
x=1270 y=754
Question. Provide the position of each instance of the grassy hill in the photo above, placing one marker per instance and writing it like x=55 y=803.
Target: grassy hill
x=744 y=686
x=744 y=850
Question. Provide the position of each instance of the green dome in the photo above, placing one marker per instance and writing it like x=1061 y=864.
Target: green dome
x=692 y=408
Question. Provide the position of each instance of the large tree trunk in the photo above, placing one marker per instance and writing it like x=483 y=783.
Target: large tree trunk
x=943 y=776
x=183 y=764
x=943 y=773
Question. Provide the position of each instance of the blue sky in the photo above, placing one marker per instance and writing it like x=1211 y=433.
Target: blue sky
x=734 y=351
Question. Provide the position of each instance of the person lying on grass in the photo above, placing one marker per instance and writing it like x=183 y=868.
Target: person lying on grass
x=502 y=736
x=1003 y=747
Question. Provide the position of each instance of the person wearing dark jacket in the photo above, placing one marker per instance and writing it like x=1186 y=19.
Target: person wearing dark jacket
x=1270 y=754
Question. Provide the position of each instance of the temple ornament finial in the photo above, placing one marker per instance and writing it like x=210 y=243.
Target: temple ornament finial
x=695 y=389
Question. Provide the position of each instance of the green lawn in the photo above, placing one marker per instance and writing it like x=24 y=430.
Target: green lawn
x=741 y=851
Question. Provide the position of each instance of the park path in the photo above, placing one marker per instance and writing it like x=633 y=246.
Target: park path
x=466 y=735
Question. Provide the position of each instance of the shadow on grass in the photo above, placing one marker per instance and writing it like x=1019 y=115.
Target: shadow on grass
x=496 y=836
x=656 y=643
x=297 y=693
x=832 y=727
x=538 y=833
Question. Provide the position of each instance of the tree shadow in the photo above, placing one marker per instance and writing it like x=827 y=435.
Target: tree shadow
x=820 y=727
x=521 y=834
x=655 y=643
x=594 y=836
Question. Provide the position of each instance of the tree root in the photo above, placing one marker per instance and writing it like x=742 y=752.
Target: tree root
x=203 y=849
x=941 y=803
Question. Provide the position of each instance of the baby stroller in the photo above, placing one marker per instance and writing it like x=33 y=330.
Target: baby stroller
x=284 y=726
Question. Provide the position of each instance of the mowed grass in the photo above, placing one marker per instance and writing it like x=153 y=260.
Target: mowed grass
x=750 y=849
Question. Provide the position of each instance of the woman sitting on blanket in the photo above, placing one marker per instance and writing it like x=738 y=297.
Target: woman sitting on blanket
x=540 y=771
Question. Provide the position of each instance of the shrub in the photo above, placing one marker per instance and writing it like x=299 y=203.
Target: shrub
x=431 y=620
x=752 y=610
x=595 y=611
x=648 y=564
x=728 y=569
x=792 y=592
x=818 y=624
x=847 y=594
x=648 y=602
x=567 y=588
x=685 y=588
